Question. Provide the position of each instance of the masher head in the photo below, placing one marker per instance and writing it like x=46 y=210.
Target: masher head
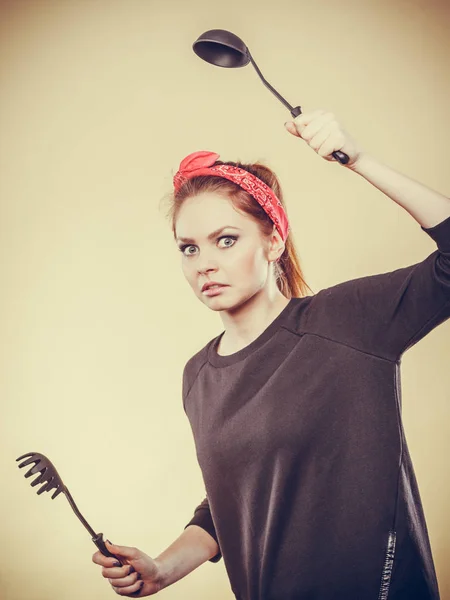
x=221 y=48
x=48 y=474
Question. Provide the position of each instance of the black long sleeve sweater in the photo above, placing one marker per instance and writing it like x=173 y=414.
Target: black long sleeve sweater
x=311 y=493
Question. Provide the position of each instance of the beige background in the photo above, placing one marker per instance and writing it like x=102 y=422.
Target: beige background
x=99 y=102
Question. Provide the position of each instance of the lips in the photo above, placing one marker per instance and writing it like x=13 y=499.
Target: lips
x=214 y=290
x=212 y=284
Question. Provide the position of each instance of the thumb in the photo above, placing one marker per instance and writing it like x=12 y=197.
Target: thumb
x=290 y=126
x=124 y=551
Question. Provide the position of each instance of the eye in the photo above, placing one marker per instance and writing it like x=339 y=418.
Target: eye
x=233 y=239
x=185 y=249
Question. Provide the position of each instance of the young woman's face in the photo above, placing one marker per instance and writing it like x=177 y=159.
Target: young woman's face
x=221 y=244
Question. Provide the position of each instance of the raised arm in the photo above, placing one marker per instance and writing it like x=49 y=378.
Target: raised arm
x=383 y=314
x=426 y=206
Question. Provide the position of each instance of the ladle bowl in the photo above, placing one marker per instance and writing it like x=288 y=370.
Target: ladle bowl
x=222 y=48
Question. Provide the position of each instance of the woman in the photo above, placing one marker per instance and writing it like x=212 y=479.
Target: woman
x=295 y=407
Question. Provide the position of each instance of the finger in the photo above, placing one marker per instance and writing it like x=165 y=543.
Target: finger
x=125 y=581
x=320 y=138
x=306 y=118
x=291 y=128
x=105 y=561
x=317 y=124
x=125 y=551
x=334 y=142
x=127 y=591
x=118 y=573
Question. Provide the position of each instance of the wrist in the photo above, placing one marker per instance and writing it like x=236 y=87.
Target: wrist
x=362 y=164
x=162 y=574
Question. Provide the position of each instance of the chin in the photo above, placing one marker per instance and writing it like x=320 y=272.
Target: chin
x=216 y=303
x=220 y=303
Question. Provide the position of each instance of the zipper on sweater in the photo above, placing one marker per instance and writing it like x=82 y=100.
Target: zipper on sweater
x=387 y=567
x=392 y=537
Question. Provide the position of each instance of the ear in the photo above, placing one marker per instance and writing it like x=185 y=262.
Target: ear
x=276 y=246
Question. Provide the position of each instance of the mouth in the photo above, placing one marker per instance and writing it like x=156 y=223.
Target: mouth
x=213 y=290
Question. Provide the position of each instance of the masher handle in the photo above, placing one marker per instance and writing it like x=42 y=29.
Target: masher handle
x=337 y=154
x=99 y=542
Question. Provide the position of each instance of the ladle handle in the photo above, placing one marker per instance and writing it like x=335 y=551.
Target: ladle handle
x=99 y=542
x=337 y=154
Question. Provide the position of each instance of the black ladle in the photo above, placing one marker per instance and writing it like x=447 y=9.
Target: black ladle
x=224 y=49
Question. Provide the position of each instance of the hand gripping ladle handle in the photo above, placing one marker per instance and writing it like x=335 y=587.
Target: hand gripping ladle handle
x=337 y=154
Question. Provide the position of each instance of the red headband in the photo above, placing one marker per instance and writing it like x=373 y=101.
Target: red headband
x=201 y=163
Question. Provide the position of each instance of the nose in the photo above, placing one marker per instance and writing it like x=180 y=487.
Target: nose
x=201 y=270
x=206 y=264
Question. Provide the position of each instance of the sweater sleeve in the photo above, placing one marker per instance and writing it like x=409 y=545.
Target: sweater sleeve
x=388 y=313
x=202 y=514
x=202 y=517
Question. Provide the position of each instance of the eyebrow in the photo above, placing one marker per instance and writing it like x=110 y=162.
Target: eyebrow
x=210 y=236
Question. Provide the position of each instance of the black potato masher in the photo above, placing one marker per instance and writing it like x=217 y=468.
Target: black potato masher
x=225 y=49
x=50 y=478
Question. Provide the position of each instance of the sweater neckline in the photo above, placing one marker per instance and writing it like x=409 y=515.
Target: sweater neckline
x=219 y=360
